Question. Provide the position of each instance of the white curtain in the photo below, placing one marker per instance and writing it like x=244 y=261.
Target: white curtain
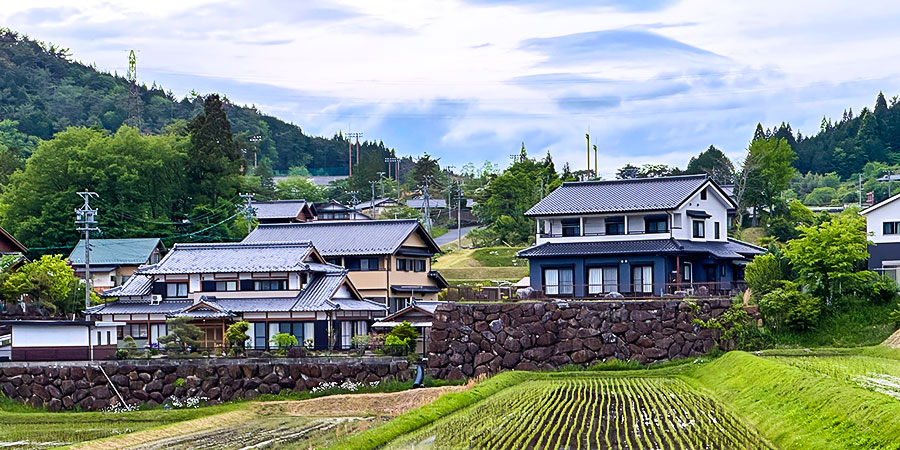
x=595 y=280
x=551 y=279
x=566 y=282
x=309 y=332
x=346 y=333
x=610 y=279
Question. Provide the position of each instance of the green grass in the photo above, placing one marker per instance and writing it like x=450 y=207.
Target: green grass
x=854 y=325
x=420 y=417
x=481 y=266
x=800 y=409
x=438 y=231
x=753 y=235
x=499 y=257
x=21 y=423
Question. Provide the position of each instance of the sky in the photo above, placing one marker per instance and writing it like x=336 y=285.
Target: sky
x=653 y=81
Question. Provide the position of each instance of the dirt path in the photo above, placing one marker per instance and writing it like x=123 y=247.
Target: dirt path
x=390 y=404
x=245 y=421
x=893 y=340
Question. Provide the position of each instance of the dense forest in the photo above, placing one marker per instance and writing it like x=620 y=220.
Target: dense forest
x=45 y=91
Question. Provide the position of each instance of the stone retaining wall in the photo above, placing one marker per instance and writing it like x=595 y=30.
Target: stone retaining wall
x=472 y=339
x=71 y=385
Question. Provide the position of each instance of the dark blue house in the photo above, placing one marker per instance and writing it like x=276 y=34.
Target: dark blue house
x=637 y=237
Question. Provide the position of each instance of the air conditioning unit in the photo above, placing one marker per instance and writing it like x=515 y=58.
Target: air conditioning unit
x=155 y=299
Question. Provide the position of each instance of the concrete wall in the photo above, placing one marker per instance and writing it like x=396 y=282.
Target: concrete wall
x=65 y=386
x=472 y=339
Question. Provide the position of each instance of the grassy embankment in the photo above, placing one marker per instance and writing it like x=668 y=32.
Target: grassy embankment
x=475 y=266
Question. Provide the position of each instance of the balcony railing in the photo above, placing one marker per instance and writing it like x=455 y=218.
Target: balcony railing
x=601 y=233
x=596 y=292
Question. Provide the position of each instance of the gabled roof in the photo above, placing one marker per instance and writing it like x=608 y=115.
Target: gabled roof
x=116 y=252
x=880 y=204
x=232 y=257
x=345 y=237
x=419 y=202
x=280 y=209
x=731 y=249
x=12 y=241
x=378 y=202
x=629 y=195
x=136 y=286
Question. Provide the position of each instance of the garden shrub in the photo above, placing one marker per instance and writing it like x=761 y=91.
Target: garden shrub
x=882 y=290
x=284 y=341
x=763 y=275
x=787 y=306
x=236 y=335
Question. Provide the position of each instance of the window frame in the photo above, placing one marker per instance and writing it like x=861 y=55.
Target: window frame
x=891 y=228
x=716 y=230
x=228 y=286
x=664 y=220
x=698 y=232
x=258 y=284
x=605 y=286
x=619 y=225
x=559 y=286
x=569 y=225
x=644 y=284
x=176 y=285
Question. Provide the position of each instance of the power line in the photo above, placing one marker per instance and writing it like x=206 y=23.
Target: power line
x=85 y=218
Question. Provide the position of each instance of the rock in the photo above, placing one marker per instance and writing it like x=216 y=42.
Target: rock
x=583 y=356
x=510 y=360
x=538 y=353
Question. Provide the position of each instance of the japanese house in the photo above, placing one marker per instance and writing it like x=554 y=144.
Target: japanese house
x=277 y=288
x=333 y=210
x=12 y=252
x=114 y=261
x=636 y=237
x=283 y=211
x=389 y=261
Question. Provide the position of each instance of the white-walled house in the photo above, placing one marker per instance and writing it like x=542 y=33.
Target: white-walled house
x=883 y=228
x=641 y=237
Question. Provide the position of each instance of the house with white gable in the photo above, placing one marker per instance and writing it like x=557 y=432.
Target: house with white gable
x=636 y=237
x=883 y=228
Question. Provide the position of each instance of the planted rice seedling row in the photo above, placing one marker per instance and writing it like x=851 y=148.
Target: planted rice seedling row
x=590 y=413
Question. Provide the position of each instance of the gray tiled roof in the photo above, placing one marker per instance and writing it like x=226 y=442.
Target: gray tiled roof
x=350 y=304
x=232 y=257
x=115 y=252
x=136 y=286
x=317 y=295
x=118 y=307
x=343 y=237
x=257 y=304
x=732 y=249
x=280 y=209
x=419 y=203
x=638 y=194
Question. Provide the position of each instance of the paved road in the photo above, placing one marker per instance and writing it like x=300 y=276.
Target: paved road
x=451 y=236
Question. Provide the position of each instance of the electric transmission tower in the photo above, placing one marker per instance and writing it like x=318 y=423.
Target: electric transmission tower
x=86 y=220
x=134 y=102
x=249 y=211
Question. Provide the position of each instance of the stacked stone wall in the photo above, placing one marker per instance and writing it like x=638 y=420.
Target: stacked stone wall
x=472 y=339
x=81 y=385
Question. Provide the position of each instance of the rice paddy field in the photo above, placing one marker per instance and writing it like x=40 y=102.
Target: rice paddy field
x=599 y=412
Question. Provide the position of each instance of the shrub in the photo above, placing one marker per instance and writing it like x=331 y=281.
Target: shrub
x=360 y=342
x=236 y=335
x=397 y=346
x=183 y=335
x=763 y=275
x=882 y=290
x=789 y=307
x=284 y=341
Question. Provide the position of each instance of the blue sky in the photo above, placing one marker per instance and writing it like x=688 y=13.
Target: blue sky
x=654 y=81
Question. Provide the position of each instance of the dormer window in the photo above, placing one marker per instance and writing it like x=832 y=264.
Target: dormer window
x=656 y=224
x=571 y=227
x=615 y=225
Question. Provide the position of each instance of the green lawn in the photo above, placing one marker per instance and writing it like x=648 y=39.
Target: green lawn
x=854 y=325
x=480 y=265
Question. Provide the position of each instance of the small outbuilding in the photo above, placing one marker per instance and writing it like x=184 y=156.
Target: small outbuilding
x=62 y=340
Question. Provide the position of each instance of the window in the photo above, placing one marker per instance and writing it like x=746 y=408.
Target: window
x=420 y=265
x=176 y=290
x=335 y=261
x=109 y=338
x=223 y=286
x=686 y=272
x=603 y=280
x=656 y=224
x=571 y=227
x=892 y=228
x=99 y=338
x=615 y=225
x=136 y=330
x=642 y=279
x=300 y=330
x=703 y=195
x=699 y=228
x=716 y=229
x=259 y=335
x=396 y=304
x=722 y=271
x=269 y=285
x=559 y=282
x=401 y=265
x=361 y=264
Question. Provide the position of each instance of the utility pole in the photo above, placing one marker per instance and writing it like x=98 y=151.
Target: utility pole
x=381 y=182
x=587 y=136
x=596 y=174
x=249 y=211
x=449 y=191
x=424 y=188
x=353 y=199
x=349 y=155
x=372 y=205
x=86 y=219
x=459 y=204
x=356 y=135
x=391 y=161
x=860 y=192
x=256 y=139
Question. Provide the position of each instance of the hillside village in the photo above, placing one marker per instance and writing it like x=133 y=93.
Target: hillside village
x=213 y=276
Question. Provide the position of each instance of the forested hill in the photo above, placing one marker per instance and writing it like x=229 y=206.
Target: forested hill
x=844 y=146
x=45 y=91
